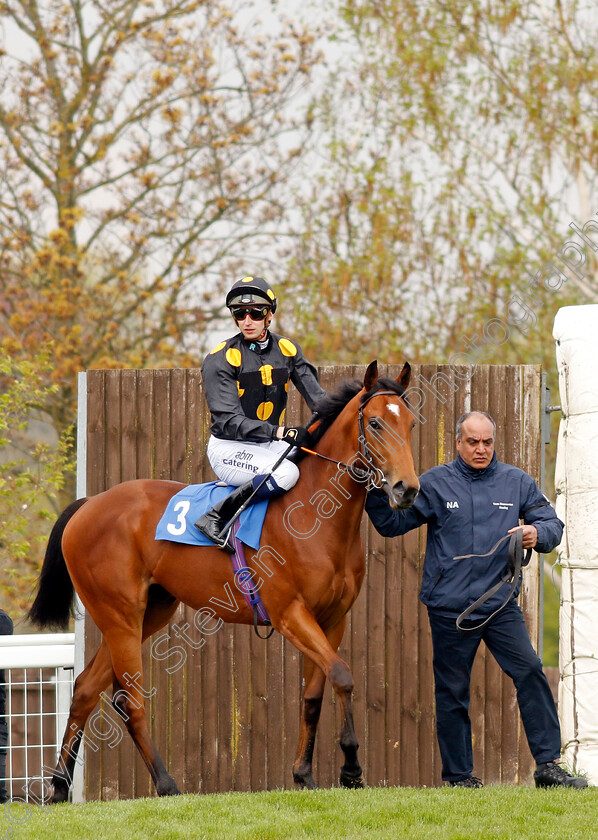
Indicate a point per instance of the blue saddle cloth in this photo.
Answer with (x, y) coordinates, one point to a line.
(184, 509)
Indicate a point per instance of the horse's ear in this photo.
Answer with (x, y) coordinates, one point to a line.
(371, 375)
(404, 376)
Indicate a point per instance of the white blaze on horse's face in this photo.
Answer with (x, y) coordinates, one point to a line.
(389, 445)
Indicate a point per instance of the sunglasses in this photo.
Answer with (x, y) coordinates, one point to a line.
(254, 313)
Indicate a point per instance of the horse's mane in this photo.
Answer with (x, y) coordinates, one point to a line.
(329, 407)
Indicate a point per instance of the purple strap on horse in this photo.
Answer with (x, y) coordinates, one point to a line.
(245, 583)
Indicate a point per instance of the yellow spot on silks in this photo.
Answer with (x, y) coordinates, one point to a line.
(247, 280)
(286, 387)
(287, 348)
(218, 347)
(240, 390)
(233, 356)
(264, 410)
(281, 418)
(266, 371)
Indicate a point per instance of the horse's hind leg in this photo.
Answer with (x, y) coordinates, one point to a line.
(301, 628)
(95, 678)
(88, 685)
(129, 700)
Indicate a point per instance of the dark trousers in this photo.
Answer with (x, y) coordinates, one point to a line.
(507, 639)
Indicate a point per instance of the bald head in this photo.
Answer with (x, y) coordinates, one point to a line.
(476, 433)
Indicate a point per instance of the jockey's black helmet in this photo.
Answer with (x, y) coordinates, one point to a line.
(251, 290)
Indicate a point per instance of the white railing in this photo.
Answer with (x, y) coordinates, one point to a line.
(39, 685)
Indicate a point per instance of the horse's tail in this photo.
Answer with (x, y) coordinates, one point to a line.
(54, 602)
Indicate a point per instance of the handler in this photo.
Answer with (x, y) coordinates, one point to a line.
(468, 505)
(246, 381)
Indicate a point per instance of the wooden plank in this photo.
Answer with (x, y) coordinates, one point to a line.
(178, 425)
(160, 704)
(241, 692)
(113, 428)
(430, 452)
(96, 432)
(145, 424)
(291, 709)
(497, 688)
(209, 703)
(510, 725)
(327, 754)
(225, 721)
(95, 483)
(480, 400)
(393, 649)
(129, 422)
(530, 598)
(276, 772)
(259, 713)
(197, 427)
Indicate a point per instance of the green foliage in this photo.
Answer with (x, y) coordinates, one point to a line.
(32, 473)
(500, 813)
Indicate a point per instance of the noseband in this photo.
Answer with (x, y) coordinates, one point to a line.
(371, 474)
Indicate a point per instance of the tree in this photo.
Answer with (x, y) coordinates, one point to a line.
(144, 146)
(464, 147)
(31, 473)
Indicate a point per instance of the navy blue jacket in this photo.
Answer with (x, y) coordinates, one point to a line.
(467, 511)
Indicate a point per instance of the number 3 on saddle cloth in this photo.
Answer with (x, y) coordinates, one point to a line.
(185, 508)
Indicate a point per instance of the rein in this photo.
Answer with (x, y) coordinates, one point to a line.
(374, 475)
(511, 576)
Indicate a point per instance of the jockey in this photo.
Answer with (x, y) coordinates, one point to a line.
(246, 381)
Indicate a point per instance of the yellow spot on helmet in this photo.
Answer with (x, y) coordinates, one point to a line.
(264, 410)
(270, 294)
(233, 356)
(217, 348)
(247, 280)
(287, 348)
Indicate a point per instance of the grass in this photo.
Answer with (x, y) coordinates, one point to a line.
(494, 813)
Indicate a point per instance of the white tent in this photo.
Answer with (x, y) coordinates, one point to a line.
(576, 482)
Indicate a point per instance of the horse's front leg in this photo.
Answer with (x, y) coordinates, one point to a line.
(301, 628)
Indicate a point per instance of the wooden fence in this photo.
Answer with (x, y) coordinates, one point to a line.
(229, 718)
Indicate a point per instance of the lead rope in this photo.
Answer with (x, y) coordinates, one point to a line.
(511, 576)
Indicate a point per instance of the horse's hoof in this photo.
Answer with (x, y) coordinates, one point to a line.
(305, 782)
(168, 788)
(352, 782)
(60, 795)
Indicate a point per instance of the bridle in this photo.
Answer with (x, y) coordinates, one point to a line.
(370, 475)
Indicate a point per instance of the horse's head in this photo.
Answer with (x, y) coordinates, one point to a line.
(385, 425)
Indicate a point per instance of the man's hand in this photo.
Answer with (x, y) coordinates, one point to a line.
(530, 535)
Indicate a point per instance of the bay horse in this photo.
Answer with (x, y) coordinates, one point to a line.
(104, 548)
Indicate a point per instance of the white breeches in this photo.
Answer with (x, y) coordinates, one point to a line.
(236, 461)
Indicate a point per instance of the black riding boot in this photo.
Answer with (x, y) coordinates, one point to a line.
(212, 522)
